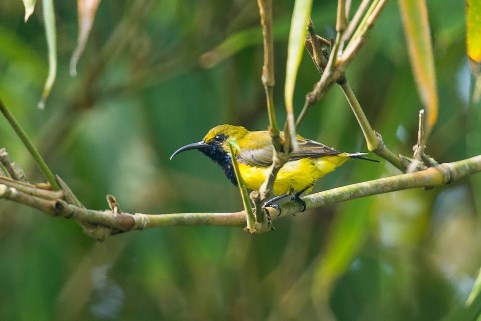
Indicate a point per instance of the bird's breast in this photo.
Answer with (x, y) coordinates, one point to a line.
(294, 176)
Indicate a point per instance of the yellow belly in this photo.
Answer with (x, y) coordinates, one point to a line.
(294, 176)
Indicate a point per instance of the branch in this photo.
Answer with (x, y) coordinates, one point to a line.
(280, 155)
(268, 79)
(331, 71)
(29, 146)
(111, 222)
(338, 61)
(373, 139)
(9, 168)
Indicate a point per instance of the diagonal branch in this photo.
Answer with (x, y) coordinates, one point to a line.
(29, 146)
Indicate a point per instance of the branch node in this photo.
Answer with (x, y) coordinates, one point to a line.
(447, 172)
(61, 209)
(13, 170)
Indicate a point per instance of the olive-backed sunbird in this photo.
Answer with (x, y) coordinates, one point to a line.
(307, 164)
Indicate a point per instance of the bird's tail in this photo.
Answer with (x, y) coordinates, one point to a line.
(361, 156)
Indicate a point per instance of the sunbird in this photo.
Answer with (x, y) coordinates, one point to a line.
(305, 166)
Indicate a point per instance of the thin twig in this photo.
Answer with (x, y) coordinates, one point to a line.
(336, 74)
(331, 74)
(361, 33)
(268, 80)
(31, 190)
(29, 146)
(421, 159)
(250, 218)
(373, 139)
(341, 21)
(420, 145)
(353, 24)
(7, 165)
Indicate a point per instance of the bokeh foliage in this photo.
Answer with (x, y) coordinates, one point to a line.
(158, 74)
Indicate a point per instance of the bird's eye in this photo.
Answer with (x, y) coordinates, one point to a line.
(219, 138)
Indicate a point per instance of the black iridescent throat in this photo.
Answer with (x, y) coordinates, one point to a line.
(218, 155)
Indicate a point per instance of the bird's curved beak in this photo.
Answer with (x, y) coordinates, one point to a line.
(198, 145)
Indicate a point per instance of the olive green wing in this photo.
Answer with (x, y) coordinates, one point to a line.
(310, 148)
(257, 150)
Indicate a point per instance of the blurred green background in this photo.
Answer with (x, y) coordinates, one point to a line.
(157, 75)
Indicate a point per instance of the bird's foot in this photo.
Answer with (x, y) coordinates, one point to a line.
(271, 203)
(296, 198)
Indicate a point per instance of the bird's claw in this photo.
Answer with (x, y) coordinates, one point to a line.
(296, 198)
(271, 203)
(274, 206)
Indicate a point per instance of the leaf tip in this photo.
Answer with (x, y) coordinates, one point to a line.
(28, 13)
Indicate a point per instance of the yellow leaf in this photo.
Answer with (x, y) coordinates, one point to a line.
(473, 43)
(416, 27)
(473, 30)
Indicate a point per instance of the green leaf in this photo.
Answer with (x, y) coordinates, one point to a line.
(295, 49)
(416, 27)
(49, 20)
(29, 7)
(86, 15)
(476, 289)
(473, 43)
(473, 31)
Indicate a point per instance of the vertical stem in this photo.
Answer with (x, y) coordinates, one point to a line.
(28, 144)
(250, 218)
(268, 80)
(353, 24)
(341, 16)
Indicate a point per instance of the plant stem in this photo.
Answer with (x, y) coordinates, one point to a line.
(353, 24)
(29, 146)
(268, 80)
(250, 218)
(373, 140)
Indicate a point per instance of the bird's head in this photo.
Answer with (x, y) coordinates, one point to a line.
(216, 142)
